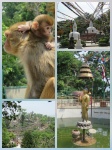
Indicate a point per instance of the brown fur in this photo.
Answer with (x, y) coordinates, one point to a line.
(39, 23)
(38, 62)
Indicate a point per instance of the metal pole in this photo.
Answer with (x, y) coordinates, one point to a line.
(103, 90)
(91, 98)
(83, 134)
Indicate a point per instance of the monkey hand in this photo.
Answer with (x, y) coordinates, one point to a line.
(23, 28)
(48, 45)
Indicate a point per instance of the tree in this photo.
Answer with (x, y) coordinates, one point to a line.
(28, 141)
(68, 68)
(6, 135)
(69, 65)
(9, 109)
(22, 118)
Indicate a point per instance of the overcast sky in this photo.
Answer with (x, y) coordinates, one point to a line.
(41, 107)
(86, 6)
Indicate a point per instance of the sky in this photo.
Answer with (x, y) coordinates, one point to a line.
(86, 6)
(41, 107)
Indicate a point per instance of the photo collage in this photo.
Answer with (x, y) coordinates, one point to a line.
(55, 74)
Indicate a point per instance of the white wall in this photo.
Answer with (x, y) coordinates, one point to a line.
(72, 113)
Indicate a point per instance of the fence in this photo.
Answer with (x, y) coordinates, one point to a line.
(73, 102)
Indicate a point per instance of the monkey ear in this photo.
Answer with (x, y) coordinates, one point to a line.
(35, 25)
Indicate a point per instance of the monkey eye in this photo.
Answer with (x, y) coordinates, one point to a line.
(48, 28)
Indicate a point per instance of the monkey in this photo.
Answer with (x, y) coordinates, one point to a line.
(41, 26)
(37, 61)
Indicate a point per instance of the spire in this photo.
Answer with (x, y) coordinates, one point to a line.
(74, 26)
(91, 24)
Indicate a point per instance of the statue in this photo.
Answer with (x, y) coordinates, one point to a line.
(85, 104)
(74, 33)
(74, 26)
(71, 43)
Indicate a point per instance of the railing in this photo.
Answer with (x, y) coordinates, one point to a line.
(73, 102)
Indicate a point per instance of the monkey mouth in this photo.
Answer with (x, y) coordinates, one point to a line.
(6, 46)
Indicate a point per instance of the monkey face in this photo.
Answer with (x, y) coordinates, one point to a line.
(11, 42)
(13, 39)
(46, 29)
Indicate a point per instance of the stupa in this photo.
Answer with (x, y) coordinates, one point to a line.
(91, 29)
(74, 33)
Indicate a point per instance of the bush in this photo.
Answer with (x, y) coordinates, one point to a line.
(104, 41)
(83, 43)
(64, 43)
(12, 145)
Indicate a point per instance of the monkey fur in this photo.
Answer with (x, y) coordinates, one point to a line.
(38, 62)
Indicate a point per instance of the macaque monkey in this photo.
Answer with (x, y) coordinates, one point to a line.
(37, 61)
(41, 26)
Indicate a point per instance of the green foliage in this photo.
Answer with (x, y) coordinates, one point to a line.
(104, 41)
(64, 42)
(35, 139)
(67, 70)
(28, 141)
(64, 136)
(6, 136)
(16, 12)
(69, 64)
(22, 119)
(11, 145)
(37, 130)
(83, 43)
(102, 23)
(42, 137)
(43, 8)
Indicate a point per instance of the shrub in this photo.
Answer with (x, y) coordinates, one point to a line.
(104, 41)
(64, 43)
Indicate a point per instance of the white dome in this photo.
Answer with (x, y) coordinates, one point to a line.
(91, 30)
(75, 35)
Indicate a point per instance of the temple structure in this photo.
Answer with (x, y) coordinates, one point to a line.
(74, 33)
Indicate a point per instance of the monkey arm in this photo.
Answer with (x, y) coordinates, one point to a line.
(25, 27)
(49, 45)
